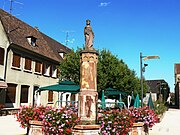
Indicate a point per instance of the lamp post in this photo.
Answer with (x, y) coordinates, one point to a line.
(142, 69)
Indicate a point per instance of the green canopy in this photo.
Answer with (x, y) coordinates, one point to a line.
(113, 92)
(137, 102)
(64, 86)
(150, 102)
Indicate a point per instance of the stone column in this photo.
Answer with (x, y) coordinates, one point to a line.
(88, 95)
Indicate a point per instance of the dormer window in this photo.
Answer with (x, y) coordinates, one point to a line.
(31, 40)
(62, 53)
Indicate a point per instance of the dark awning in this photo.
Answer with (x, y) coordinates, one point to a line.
(3, 85)
(64, 86)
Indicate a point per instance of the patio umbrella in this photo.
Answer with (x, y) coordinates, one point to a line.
(132, 99)
(150, 102)
(103, 104)
(64, 86)
(120, 101)
(137, 102)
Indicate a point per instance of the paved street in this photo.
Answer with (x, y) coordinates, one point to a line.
(9, 126)
(168, 126)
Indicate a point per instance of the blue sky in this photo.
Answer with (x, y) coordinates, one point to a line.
(125, 27)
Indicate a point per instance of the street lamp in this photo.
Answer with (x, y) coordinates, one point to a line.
(142, 69)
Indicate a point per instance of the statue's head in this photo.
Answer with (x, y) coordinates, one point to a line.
(88, 22)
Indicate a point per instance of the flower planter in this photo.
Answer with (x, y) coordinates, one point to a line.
(137, 129)
(35, 127)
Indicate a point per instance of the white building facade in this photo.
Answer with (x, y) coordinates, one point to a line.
(29, 60)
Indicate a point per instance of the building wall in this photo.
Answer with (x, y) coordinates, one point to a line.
(177, 84)
(21, 77)
(177, 95)
(4, 43)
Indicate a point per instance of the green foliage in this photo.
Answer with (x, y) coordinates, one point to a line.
(70, 67)
(111, 72)
(160, 107)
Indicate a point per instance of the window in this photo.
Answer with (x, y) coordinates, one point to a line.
(54, 72)
(46, 69)
(16, 60)
(38, 67)
(11, 93)
(28, 62)
(50, 96)
(62, 54)
(24, 94)
(1, 56)
(31, 40)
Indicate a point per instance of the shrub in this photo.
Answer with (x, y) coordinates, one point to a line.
(160, 108)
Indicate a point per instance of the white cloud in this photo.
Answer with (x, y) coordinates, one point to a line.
(104, 4)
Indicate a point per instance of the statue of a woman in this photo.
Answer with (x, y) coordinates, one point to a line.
(89, 36)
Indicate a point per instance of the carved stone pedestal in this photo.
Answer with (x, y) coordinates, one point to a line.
(87, 111)
(88, 95)
(86, 130)
(138, 129)
(35, 128)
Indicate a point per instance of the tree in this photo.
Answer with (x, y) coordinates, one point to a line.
(70, 67)
(111, 72)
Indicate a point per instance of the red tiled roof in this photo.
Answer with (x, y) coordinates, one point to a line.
(17, 31)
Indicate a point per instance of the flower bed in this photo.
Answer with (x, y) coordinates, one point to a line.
(117, 122)
(60, 121)
(146, 115)
(54, 121)
(27, 113)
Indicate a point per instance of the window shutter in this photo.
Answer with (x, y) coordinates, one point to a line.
(16, 60)
(28, 62)
(11, 93)
(50, 72)
(1, 56)
(24, 94)
(38, 67)
(43, 68)
(50, 96)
